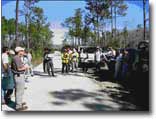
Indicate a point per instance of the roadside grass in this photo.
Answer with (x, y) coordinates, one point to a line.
(36, 61)
(37, 57)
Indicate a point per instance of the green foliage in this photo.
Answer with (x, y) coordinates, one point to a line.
(36, 30)
(120, 7)
(125, 32)
(37, 56)
(98, 9)
(97, 15)
(98, 12)
(115, 43)
(4, 26)
(75, 24)
(11, 26)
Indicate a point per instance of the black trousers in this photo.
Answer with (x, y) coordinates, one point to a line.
(84, 67)
(65, 67)
(8, 94)
(45, 65)
(98, 66)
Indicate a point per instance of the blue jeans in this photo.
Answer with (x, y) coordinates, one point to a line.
(124, 70)
(118, 66)
(3, 100)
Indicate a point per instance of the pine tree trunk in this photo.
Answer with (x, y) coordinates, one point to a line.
(112, 18)
(79, 42)
(144, 20)
(115, 20)
(98, 33)
(16, 24)
(27, 21)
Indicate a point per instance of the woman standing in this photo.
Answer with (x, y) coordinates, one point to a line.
(7, 80)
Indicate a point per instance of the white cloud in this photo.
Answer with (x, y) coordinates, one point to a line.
(59, 33)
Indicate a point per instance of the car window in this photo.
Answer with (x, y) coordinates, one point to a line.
(90, 50)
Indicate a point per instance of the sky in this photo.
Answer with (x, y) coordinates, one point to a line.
(57, 11)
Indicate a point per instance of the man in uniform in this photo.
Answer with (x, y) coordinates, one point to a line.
(18, 69)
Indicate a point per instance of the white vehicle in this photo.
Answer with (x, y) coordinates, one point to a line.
(57, 53)
(90, 51)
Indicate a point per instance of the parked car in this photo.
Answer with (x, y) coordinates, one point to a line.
(90, 61)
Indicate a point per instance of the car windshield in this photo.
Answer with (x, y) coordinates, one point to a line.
(90, 49)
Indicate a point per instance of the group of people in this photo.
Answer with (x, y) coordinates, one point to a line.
(120, 62)
(16, 67)
(70, 59)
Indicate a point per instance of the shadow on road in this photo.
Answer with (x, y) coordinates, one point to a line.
(137, 84)
(122, 97)
(95, 100)
(102, 75)
(98, 107)
(58, 71)
(58, 103)
(73, 94)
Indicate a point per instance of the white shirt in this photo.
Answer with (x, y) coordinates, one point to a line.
(83, 55)
(112, 53)
(98, 56)
(5, 58)
(24, 60)
(29, 57)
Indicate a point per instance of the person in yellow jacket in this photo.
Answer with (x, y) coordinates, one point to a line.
(65, 60)
(70, 52)
(75, 58)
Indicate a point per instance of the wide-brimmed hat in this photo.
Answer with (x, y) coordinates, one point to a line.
(97, 47)
(11, 52)
(17, 49)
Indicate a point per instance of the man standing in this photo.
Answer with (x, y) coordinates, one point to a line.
(98, 58)
(18, 69)
(65, 60)
(46, 51)
(70, 52)
(29, 55)
(83, 57)
(111, 52)
(74, 60)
